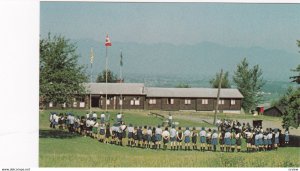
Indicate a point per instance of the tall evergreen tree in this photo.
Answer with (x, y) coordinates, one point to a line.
(60, 75)
(214, 82)
(249, 81)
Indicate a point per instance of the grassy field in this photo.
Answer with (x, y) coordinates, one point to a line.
(61, 149)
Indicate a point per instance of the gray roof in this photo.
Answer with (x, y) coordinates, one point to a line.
(192, 92)
(115, 88)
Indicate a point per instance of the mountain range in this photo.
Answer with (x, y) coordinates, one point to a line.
(184, 62)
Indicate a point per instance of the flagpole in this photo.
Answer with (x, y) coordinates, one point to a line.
(91, 77)
(121, 82)
(106, 79)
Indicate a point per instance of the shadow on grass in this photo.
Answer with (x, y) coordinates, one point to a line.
(57, 134)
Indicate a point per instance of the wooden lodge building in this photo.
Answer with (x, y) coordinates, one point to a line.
(137, 96)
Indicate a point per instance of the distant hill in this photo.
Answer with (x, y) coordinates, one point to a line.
(185, 62)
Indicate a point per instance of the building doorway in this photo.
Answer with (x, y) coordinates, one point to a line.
(95, 101)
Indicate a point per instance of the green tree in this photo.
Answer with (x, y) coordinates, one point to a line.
(60, 75)
(214, 82)
(183, 85)
(296, 78)
(249, 81)
(111, 77)
(291, 103)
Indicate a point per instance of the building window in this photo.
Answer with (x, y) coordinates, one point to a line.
(204, 101)
(187, 101)
(107, 101)
(121, 100)
(221, 102)
(50, 104)
(74, 104)
(81, 104)
(64, 105)
(135, 101)
(232, 102)
(152, 101)
(170, 101)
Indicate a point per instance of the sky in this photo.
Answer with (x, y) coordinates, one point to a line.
(273, 26)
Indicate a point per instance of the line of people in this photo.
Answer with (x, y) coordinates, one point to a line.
(229, 138)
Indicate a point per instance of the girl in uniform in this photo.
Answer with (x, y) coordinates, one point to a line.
(95, 129)
(173, 133)
(227, 140)
(179, 138)
(123, 128)
(238, 138)
(286, 137)
(194, 138)
(233, 140)
(265, 140)
(208, 139)
(135, 138)
(214, 140)
(202, 139)
(248, 135)
(107, 133)
(166, 137)
(253, 140)
(130, 135)
(270, 139)
(158, 136)
(187, 139)
(149, 134)
(139, 136)
(260, 140)
(256, 142)
(145, 136)
(102, 132)
(276, 141)
(221, 140)
(153, 138)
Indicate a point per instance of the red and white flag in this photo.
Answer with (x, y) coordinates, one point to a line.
(107, 41)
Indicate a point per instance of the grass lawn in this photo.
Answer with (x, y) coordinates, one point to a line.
(61, 149)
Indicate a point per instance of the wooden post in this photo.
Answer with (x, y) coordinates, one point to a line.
(218, 96)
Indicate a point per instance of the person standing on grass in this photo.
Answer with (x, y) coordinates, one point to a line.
(101, 132)
(61, 122)
(130, 135)
(202, 139)
(119, 117)
(107, 133)
(149, 134)
(102, 118)
(270, 139)
(153, 138)
(92, 123)
(135, 137)
(82, 125)
(87, 124)
(51, 119)
(214, 140)
(166, 137)
(194, 138)
(260, 140)
(187, 138)
(265, 140)
(139, 136)
(208, 139)
(158, 136)
(233, 140)
(72, 122)
(94, 115)
(123, 129)
(253, 140)
(145, 136)
(87, 115)
(276, 139)
(238, 138)
(286, 137)
(248, 136)
(221, 140)
(95, 128)
(173, 134)
(227, 139)
(179, 138)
